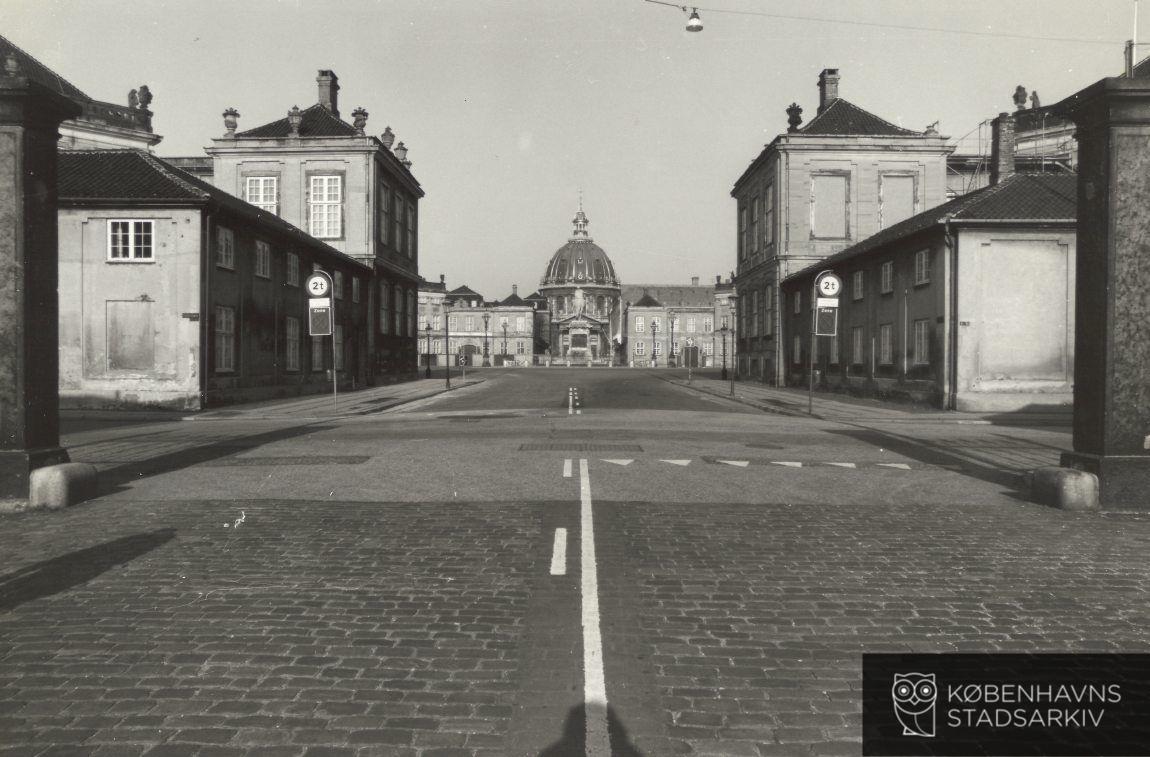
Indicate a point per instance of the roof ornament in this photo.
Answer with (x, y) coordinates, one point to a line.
(359, 116)
(295, 118)
(1019, 97)
(931, 130)
(11, 64)
(230, 116)
(387, 138)
(580, 222)
(794, 117)
(145, 96)
(1034, 102)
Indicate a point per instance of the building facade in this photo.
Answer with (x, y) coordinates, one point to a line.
(463, 327)
(174, 294)
(813, 191)
(678, 326)
(968, 306)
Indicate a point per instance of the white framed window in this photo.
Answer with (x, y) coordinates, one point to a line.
(656, 324)
(796, 349)
(708, 349)
(897, 198)
(656, 348)
(469, 323)
(922, 267)
(384, 213)
(830, 206)
(886, 277)
(337, 348)
(292, 269)
(922, 341)
(857, 345)
(130, 241)
(520, 347)
(225, 339)
(886, 344)
(437, 322)
(708, 325)
(436, 346)
(317, 353)
(640, 324)
(858, 280)
(691, 325)
(261, 191)
(675, 347)
(291, 342)
(355, 289)
(640, 348)
(726, 321)
(797, 300)
(384, 307)
(225, 248)
(263, 259)
(519, 323)
(325, 207)
(452, 323)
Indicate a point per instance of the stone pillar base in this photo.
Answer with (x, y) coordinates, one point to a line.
(1123, 480)
(16, 466)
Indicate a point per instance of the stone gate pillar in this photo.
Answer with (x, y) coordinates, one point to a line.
(30, 117)
(1112, 336)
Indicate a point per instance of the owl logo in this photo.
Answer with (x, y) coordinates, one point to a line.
(914, 697)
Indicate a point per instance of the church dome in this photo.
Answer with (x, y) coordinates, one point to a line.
(580, 262)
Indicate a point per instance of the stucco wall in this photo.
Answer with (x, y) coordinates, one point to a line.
(129, 333)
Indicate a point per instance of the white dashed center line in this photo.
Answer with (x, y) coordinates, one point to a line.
(567, 468)
(598, 740)
(559, 553)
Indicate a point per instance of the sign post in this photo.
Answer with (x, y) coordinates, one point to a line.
(690, 356)
(321, 321)
(824, 322)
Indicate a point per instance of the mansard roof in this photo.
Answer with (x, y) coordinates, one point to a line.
(844, 118)
(317, 121)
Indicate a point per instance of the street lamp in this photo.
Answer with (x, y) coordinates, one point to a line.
(671, 346)
(724, 331)
(694, 23)
(486, 358)
(427, 357)
(505, 342)
(734, 341)
(447, 346)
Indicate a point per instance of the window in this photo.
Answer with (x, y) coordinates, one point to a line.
(437, 347)
(397, 232)
(833, 357)
(337, 284)
(769, 307)
(410, 229)
(742, 232)
(708, 349)
(261, 192)
(640, 348)
(411, 326)
(896, 198)
(708, 325)
(691, 325)
(640, 324)
(656, 348)
(519, 347)
(129, 240)
(325, 206)
(291, 337)
(755, 313)
(753, 231)
(726, 322)
(656, 324)
(469, 323)
(519, 323)
(857, 282)
(437, 322)
(225, 339)
(225, 248)
(384, 213)
(829, 206)
(886, 277)
(922, 267)
(922, 342)
(886, 344)
(292, 269)
(857, 345)
(397, 303)
(337, 348)
(384, 308)
(769, 216)
(263, 259)
(797, 349)
(317, 353)
(452, 323)
(797, 300)
(503, 321)
(355, 289)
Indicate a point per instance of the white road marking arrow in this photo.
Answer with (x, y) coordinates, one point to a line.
(736, 463)
(676, 462)
(900, 466)
(789, 465)
(618, 462)
(843, 465)
(567, 468)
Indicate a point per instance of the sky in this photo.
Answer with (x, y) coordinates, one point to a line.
(512, 108)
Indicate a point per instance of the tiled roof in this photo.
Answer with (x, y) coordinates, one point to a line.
(670, 295)
(135, 177)
(41, 74)
(464, 291)
(647, 301)
(514, 301)
(842, 118)
(317, 121)
(1036, 198)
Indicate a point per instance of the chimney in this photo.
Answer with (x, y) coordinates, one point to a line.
(442, 279)
(328, 90)
(1001, 148)
(828, 87)
(694, 281)
(515, 290)
(718, 278)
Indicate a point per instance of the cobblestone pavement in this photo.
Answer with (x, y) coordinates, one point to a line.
(381, 586)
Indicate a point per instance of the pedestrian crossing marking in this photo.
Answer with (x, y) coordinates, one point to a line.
(737, 463)
(900, 466)
(567, 468)
(843, 465)
(618, 462)
(787, 464)
(677, 462)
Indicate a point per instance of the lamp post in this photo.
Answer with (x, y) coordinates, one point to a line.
(671, 345)
(427, 357)
(724, 331)
(505, 343)
(486, 357)
(447, 347)
(734, 341)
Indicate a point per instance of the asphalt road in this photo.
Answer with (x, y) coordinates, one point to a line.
(483, 572)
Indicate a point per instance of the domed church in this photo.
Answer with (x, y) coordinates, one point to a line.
(582, 294)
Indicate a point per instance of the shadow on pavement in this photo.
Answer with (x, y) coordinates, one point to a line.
(932, 454)
(43, 579)
(116, 479)
(573, 741)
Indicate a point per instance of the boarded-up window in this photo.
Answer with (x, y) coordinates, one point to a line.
(896, 199)
(829, 194)
(131, 336)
